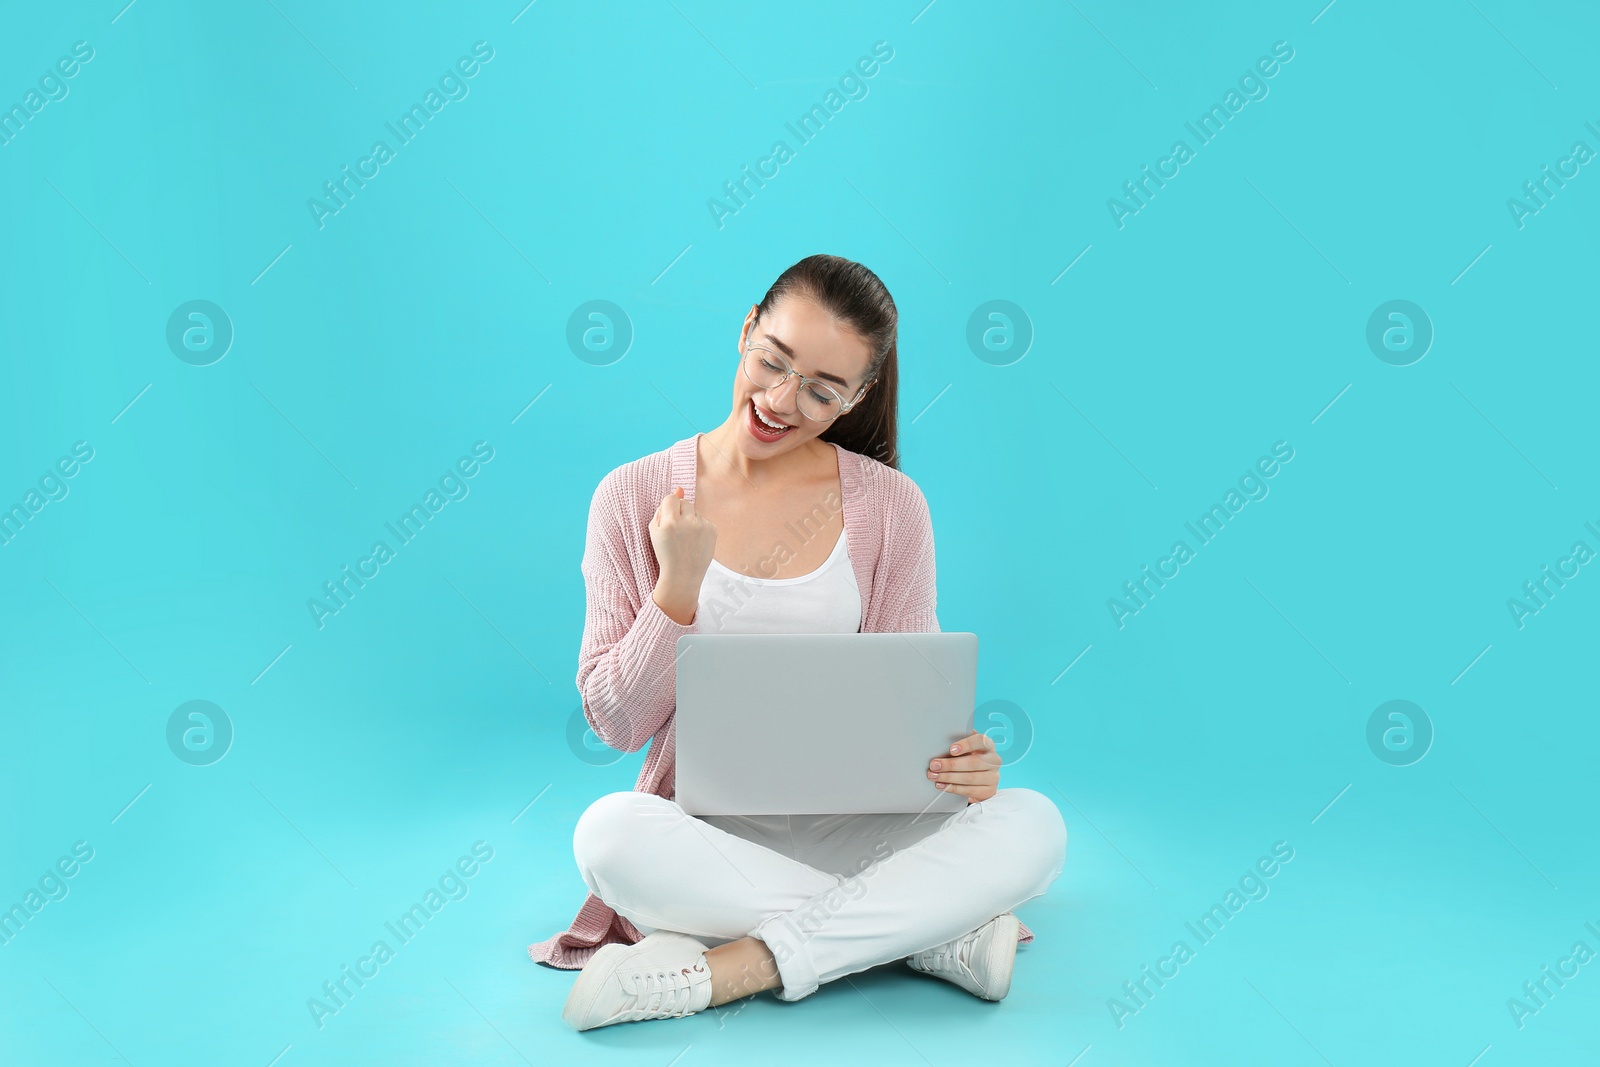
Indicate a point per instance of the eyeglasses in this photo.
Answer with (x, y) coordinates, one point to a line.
(816, 399)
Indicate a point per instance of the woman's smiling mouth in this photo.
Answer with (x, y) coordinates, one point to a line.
(764, 428)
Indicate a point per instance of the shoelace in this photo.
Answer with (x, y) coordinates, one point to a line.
(662, 994)
(951, 956)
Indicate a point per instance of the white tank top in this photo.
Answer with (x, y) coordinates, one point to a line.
(826, 601)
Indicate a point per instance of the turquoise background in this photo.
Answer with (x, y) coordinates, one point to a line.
(431, 713)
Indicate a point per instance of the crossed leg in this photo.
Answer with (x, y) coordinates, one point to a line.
(878, 888)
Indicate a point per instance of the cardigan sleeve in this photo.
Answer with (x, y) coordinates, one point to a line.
(914, 538)
(627, 659)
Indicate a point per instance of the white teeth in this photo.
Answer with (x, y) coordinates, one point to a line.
(767, 421)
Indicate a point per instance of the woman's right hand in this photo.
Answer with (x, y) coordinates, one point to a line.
(684, 543)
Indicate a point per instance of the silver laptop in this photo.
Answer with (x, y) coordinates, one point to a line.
(791, 724)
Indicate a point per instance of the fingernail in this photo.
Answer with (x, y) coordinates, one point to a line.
(954, 749)
(935, 764)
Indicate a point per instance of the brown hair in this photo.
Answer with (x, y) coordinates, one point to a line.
(853, 293)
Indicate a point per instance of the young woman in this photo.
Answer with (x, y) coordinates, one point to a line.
(790, 517)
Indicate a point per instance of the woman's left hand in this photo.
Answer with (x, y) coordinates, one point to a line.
(972, 768)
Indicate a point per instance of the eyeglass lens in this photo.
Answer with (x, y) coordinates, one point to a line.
(816, 400)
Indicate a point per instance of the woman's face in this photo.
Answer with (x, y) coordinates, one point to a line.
(815, 344)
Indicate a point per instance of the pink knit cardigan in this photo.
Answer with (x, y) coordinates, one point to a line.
(627, 659)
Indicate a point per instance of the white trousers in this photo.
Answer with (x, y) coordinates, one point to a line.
(830, 895)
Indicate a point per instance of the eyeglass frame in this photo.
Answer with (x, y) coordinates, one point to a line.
(792, 373)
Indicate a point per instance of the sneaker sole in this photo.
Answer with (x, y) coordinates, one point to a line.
(1002, 953)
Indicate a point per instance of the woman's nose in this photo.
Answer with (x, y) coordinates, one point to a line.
(781, 397)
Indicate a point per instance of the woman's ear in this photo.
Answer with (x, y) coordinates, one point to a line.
(749, 321)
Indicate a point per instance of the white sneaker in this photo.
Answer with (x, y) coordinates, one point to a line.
(979, 961)
(664, 976)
